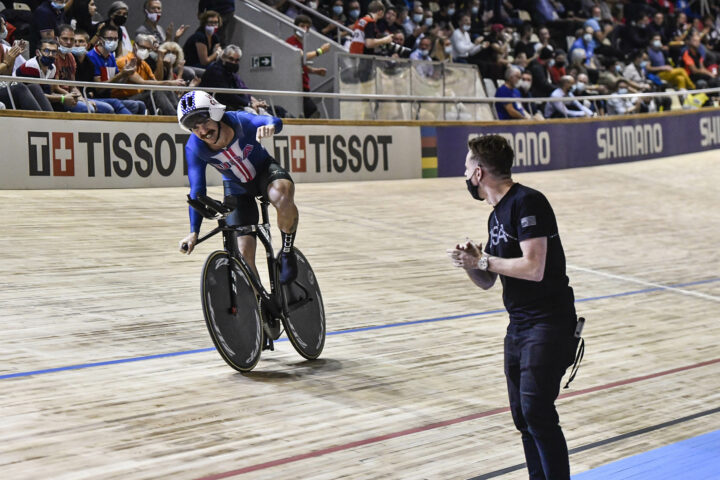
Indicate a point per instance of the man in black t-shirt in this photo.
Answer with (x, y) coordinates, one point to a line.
(524, 249)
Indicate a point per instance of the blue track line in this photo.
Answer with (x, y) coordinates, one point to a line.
(338, 332)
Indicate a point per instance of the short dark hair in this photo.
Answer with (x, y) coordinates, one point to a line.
(303, 20)
(61, 28)
(204, 16)
(494, 153)
(107, 28)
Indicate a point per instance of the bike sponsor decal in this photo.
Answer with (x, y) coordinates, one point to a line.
(91, 154)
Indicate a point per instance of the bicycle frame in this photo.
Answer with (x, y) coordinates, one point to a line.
(272, 300)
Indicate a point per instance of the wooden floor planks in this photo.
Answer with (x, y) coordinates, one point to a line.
(93, 276)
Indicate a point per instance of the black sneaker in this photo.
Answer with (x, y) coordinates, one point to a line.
(288, 267)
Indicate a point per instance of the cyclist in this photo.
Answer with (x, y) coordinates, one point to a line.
(230, 142)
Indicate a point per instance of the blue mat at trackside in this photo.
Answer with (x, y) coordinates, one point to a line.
(692, 459)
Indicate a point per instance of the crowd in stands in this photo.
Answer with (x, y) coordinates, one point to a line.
(530, 49)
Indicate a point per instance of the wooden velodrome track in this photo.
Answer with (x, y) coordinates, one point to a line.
(107, 370)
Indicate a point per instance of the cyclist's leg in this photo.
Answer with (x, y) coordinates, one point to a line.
(245, 213)
(279, 189)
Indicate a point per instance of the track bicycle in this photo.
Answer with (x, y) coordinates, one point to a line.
(242, 316)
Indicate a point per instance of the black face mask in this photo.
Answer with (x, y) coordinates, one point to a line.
(231, 67)
(473, 189)
(119, 20)
(559, 64)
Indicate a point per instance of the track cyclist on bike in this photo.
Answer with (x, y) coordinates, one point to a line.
(230, 142)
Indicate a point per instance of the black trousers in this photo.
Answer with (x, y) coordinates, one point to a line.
(536, 357)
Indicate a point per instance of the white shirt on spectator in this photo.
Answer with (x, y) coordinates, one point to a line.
(462, 46)
(552, 107)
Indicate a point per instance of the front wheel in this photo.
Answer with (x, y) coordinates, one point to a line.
(232, 313)
(305, 322)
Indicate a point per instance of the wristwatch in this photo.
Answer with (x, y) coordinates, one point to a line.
(482, 263)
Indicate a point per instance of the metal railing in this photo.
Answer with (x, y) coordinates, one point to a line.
(370, 99)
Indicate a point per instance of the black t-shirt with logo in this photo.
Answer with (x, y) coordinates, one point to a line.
(524, 213)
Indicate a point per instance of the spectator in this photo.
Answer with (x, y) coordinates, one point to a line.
(42, 66)
(677, 77)
(444, 17)
(463, 47)
(71, 100)
(623, 106)
(577, 60)
(387, 25)
(153, 12)
(635, 71)
(524, 44)
(539, 68)
(26, 96)
(173, 60)
(510, 110)
(525, 88)
(165, 102)
(336, 13)
(492, 59)
(561, 109)
(636, 35)
(46, 17)
(226, 11)
(302, 24)
(694, 62)
(658, 27)
(100, 65)
(82, 12)
(117, 17)
(422, 54)
(587, 43)
(364, 30)
(520, 61)
(354, 13)
(414, 21)
(557, 70)
(595, 19)
(203, 47)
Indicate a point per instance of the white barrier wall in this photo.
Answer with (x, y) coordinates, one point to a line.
(61, 153)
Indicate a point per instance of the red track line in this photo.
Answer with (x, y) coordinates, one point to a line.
(410, 431)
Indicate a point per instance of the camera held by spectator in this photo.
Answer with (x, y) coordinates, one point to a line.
(393, 48)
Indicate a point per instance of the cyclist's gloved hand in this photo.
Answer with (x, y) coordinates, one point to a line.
(264, 131)
(288, 267)
(190, 241)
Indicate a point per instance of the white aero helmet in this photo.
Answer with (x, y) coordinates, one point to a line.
(197, 106)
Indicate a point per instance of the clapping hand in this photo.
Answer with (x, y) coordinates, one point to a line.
(466, 254)
(265, 131)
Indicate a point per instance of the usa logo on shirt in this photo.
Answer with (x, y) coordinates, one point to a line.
(237, 160)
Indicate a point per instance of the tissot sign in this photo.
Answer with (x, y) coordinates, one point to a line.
(45, 154)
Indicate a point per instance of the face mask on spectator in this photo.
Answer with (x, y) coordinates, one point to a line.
(231, 67)
(47, 61)
(300, 33)
(448, 49)
(657, 44)
(560, 63)
(354, 13)
(622, 91)
(475, 10)
(424, 53)
(466, 28)
(337, 9)
(110, 46)
(3, 35)
(618, 68)
(312, 5)
(64, 50)
(57, 5)
(643, 64)
(153, 17)
(580, 87)
(587, 37)
(451, 11)
(417, 17)
(170, 58)
(428, 21)
(211, 30)
(143, 53)
(551, 62)
(120, 20)
(524, 85)
(78, 50)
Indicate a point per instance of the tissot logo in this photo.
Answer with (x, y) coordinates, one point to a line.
(51, 154)
(333, 153)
